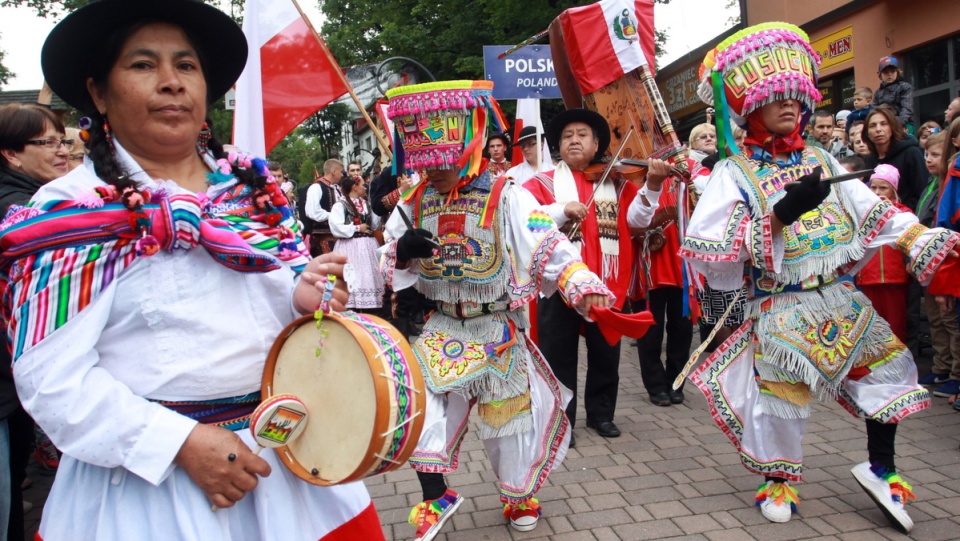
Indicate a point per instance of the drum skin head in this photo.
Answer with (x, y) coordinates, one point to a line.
(344, 395)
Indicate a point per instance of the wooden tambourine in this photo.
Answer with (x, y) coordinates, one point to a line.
(364, 394)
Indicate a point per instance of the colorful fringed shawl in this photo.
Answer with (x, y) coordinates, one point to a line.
(60, 255)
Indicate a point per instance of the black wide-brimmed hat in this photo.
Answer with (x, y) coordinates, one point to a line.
(528, 132)
(71, 48)
(588, 117)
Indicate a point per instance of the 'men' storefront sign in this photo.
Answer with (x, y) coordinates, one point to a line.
(835, 48)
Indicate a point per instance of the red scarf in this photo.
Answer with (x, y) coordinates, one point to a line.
(759, 135)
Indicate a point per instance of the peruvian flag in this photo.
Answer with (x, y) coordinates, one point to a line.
(608, 39)
(290, 75)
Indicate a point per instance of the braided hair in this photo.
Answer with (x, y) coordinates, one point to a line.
(100, 145)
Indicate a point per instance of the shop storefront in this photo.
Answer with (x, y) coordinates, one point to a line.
(851, 36)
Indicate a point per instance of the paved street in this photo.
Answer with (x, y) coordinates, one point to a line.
(673, 475)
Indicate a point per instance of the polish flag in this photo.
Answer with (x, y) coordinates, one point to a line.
(608, 39)
(528, 114)
(290, 75)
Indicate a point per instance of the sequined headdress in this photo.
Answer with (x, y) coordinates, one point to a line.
(759, 65)
(443, 125)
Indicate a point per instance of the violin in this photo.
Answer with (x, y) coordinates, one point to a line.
(633, 170)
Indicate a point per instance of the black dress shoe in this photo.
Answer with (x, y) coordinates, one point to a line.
(573, 439)
(605, 428)
(676, 397)
(660, 399)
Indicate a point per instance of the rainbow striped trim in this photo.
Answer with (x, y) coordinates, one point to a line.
(232, 413)
(59, 256)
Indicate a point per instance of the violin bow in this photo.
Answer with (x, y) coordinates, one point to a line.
(616, 156)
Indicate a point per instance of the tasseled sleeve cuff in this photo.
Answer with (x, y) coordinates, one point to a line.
(926, 249)
(576, 281)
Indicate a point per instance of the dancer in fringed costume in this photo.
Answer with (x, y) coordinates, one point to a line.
(479, 248)
(808, 335)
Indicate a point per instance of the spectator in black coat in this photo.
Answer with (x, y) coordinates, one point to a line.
(887, 143)
(33, 151)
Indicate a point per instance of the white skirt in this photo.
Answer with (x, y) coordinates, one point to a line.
(366, 289)
(111, 504)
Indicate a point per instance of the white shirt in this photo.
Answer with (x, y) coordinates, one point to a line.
(524, 172)
(314, 210)
(174, 326)
(338, 218)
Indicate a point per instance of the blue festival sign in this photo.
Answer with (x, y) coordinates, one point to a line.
(524, 73)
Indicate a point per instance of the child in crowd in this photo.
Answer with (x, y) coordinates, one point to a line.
(855, 140)
(842, 119)
(894, 91)
(884, 279)
(944, 324)
(925, 130)
(862, 105)
(852, 163)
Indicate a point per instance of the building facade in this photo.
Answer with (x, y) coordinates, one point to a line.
(851, 36)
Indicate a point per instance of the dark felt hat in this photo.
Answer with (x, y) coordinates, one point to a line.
(588, 117)
(528, 132)
(72, 46)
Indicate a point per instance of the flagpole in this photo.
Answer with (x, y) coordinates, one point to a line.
(384, 145)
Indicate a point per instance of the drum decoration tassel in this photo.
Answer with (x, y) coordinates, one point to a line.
(328, 288)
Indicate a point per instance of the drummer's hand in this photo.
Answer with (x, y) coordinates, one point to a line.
(309, 291)
(204, 457)
(575, 210)
(657, 171)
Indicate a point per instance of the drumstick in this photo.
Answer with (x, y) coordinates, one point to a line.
(277, 421)
(836, 179)
(406, 220)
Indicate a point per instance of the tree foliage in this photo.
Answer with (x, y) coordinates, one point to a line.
(5, 74)
(446, 36)
(299, 153)
(58, 8)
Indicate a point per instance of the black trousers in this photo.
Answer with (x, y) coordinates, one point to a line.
(666, 305)
(559, 333)
(21, 447)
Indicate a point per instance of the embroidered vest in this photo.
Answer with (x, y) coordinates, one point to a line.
(471, 266)
(820, 241)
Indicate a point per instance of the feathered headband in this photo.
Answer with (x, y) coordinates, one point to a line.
(443, 125)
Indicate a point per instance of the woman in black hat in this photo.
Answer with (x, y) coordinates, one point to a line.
(142, 315)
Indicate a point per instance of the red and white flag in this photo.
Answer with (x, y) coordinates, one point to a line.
(528, 114)
(290, 75)
(608, 39)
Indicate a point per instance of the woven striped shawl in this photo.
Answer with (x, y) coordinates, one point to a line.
(57, 257)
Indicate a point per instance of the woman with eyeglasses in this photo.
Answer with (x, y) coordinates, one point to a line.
(703, 141)
(31, 155)
(33, 151)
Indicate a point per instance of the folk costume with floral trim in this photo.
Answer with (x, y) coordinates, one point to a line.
(473, 349)
(497, 250)
(808, 334)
